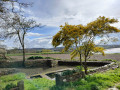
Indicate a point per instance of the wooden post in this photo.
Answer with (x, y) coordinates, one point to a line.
(20, 85)
(58, 80)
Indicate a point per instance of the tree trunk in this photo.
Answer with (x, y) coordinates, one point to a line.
(23, 56)
(80, 59)
(85, 66)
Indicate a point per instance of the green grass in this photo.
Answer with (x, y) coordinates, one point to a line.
(20, 54)
(98, 81)
(7, 79)
(14, 77)
(38, 84)
(30, 84)
(118, 86)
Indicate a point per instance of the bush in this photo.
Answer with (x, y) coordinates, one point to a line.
(67, 72)
(9, 86)
(118, 86)
(94, 86)
(35, 57)
(79, 68)
(48, 58)
(39, 57)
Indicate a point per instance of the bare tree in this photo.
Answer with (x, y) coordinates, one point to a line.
(13, 22)
(19, 26)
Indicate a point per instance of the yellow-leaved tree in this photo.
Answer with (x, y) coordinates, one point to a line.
(69, 35)
(83, 37)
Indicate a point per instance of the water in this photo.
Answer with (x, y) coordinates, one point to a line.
(112, 50)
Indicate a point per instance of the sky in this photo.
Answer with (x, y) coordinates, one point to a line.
(53, 13)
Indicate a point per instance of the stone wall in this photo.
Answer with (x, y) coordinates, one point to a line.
(41, 63)
(10, 64)
(46, 63)
(52, 63)
(60, 80)
(35, 63)
(28, 63)
(89, 63)
(112, 65)
(6, 72)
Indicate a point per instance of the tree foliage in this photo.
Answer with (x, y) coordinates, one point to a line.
(83, 37)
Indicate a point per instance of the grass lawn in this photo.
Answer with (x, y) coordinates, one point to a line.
(98, 81)
(30, 84)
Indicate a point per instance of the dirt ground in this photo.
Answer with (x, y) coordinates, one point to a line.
(67, 56)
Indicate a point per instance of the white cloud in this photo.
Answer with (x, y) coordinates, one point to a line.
(33, 34)
(57, 12)
(39, 43)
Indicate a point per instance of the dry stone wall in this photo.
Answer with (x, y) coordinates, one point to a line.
(60, 80)
(6, 72)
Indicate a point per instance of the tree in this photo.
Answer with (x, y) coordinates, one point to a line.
(70, 35)
(98, 28)
(14, 22)
(7, 9)
(20, 26)
(84, 37)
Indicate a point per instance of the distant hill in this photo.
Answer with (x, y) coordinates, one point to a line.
(60, 48)
(109, 46)
(57, 49)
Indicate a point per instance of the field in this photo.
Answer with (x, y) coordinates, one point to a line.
(67, 56)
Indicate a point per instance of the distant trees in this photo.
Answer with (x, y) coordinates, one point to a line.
(83, 37)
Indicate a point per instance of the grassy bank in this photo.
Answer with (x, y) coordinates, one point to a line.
(30, 84)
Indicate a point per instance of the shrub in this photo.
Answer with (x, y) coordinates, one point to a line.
(9, 86)
(39, 57)
(94, 86)
(67, 72)
(35, 57)
(118, 86)
(48, 58)
(79, 68)
(32, 57)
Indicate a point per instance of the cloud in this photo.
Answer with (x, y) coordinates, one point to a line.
(54, 13)
(29, 34)
(39, 43)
